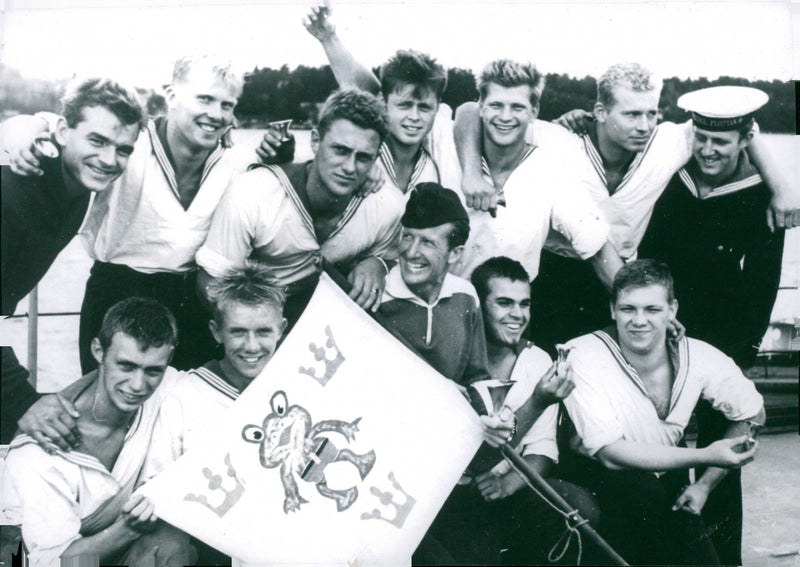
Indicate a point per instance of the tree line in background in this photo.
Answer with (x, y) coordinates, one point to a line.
(276, 94)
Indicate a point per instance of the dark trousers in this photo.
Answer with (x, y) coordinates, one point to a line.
(723, 510)
(517, 530)
(111, 283)
(17, 394)
(568, 300)
(637, 516)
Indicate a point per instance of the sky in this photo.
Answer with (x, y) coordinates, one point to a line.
(137, 40)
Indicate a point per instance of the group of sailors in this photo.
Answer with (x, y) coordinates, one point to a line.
(484, 243)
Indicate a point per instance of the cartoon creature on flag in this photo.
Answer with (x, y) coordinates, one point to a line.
(288, 439)
(343, 413)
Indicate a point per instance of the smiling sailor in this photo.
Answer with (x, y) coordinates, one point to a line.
(709, 227)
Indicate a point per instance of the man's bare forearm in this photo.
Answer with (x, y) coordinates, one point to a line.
(467, 134)
(606, 263)
(714, 475)
(346, 68)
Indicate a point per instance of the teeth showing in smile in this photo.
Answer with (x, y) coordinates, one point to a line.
(130, 397)
(250, 359)
(508, 128)
(415, 266)
(99, 171)
(207, 128)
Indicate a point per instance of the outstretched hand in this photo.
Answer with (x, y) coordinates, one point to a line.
(555, 385)
(318, 22)
(731, 453)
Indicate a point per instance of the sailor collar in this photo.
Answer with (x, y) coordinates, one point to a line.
(597, 160)
(677, 351)
(743, 177)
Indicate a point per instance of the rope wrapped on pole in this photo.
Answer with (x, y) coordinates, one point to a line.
(575, 522)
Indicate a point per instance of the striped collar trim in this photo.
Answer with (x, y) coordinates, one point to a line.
(679, 357)
(216, 382)
(487, 172)
(597, 160)
(166, 167)
(387, 159)
(726, 189)
(290, 191)
(74, 457)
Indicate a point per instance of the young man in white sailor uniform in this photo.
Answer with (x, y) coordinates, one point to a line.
(419, 146)
(80, 503)
(293, 218)
(635, 391)
(709, 226)
(248, 322)
(491, 515)
(537, 194)
(625, 160)
(144, 231)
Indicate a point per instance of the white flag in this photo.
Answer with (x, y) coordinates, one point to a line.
(341, 451)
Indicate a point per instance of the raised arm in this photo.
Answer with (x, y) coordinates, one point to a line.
(478, 194)
(348, 71)
(785, 198)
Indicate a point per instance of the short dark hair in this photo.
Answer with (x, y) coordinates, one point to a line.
(250, 284)
(146, 320)
(414, 68)
(121, 101)
(508, 73)
(359, 107)
(642, 273)
(497, 267)
(459, 234)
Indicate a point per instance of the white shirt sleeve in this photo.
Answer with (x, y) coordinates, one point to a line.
(387, 241)
(234, 228)
(576, 216)
(41, 492)
(443, 149)
(540, 439)
(166, 445)
(728, 390)
(588, 406)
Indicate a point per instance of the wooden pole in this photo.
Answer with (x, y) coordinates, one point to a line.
(33, 334)
(547, 492)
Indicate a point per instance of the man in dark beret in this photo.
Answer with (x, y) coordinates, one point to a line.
(437, 313)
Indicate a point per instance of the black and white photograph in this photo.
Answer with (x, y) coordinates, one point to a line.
(384, 282)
